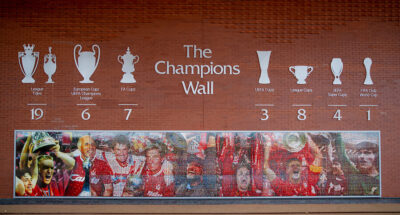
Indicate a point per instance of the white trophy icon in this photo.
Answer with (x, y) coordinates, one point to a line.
(28, 61)
(301, 73)
(128, 62)
(337, 68)
(367, 64)
(49, 65)
(86, 63)
(263, 59)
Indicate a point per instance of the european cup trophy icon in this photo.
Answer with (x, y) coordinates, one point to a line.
(337, 68)
(86, 63)
(128, 62)
(49, 65)
(28, 61)
(263, 59)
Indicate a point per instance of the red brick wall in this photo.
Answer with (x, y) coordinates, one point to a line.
(297, 33)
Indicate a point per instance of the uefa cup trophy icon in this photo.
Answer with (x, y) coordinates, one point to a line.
(49, 65)
(87, 63)
(367, 64)
(128, 62)
(301, 73)
(263, 59)
(337, 68)
(28, 61)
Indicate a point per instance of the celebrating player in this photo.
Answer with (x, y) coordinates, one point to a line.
(158, 174)
(79, 179)
(120, 165)
(299, 180)
(193, 186)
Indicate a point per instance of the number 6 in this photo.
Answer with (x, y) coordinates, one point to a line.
(85, 114)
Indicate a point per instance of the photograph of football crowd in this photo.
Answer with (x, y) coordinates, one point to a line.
(196, 164)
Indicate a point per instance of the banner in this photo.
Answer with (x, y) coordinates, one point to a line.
(211, 164)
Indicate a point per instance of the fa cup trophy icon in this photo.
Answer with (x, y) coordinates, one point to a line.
(28, 61)
(337, 67)
(263, 59)
(49, 65)
(367, 64)
(301, 73)
(86, 63)
(128, 62)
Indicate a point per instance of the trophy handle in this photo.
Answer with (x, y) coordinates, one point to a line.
(309, 67)
(98, 57)
(290, 69)
(137, 59)
(119, 59)
(36, 54)
(80, 49)
(20, 55)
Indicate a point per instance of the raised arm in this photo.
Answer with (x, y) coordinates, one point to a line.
(267, 170)
(67, 159)
(316, 152)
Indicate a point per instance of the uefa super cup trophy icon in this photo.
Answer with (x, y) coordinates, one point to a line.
(87, 63)
(337, 67)
(263, 59)
(128, 62)
(49, 65)
(28, 61)
(301, 73)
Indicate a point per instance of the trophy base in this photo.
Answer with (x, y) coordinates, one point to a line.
(337, 82)
(128, 79)
(28, 80)
(263, 80)
(86, 82)
(301, 82)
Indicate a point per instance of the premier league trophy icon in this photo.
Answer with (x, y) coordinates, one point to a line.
(87, 63)
(367, 64)
(337, 67)
(49, 65)
(28, 61)
(301, 73)
(128, 62)
(263, 59)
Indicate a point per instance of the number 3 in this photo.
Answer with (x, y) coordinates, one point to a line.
(265, 114)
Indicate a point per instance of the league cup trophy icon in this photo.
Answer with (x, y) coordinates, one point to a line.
(86, 63)
(49, 65)
(263, 59)
(367, 64)
(128, 62)
(28, 61)
(301, 73)
(337, 67)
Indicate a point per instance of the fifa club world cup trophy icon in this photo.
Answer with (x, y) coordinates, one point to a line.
(28, 61)
(86, 63)
(263, 59)
(49, 65)
(367, 64)
(128, 62)
(301, 73)
(337, 67)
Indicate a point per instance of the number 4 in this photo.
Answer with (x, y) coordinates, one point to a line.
(337, 115)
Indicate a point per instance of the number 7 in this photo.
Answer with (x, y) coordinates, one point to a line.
(129, 113)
